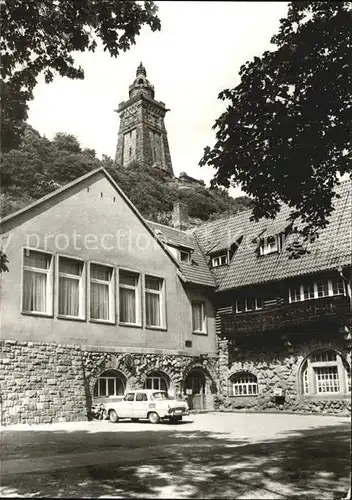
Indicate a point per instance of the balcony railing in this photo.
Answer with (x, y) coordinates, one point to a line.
(298, 313)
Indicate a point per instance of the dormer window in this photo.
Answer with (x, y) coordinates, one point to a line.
(185, 256)
(220, 260)
(270, 244)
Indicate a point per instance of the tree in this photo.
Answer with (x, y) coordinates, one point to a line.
(40, 166)
(41, 36)
(67, 142)
(285, 136)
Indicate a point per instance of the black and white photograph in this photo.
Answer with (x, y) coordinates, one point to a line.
(175, 249)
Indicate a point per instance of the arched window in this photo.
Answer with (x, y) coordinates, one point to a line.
(243, 384)
(325, 373)
(110, 383)
(156, 380)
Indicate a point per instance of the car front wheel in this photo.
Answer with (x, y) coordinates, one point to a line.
(113, 416)
(154, 418)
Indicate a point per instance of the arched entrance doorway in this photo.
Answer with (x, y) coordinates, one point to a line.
(157, 380)
(110, 384)
(197, 390)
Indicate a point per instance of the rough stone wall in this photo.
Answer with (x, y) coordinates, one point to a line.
(44, 383)
(41, 383)
(275, 367)
(135, 368)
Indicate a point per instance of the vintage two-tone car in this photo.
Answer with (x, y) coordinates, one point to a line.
(148, 404)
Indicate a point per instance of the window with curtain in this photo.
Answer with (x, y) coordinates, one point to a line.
(101, 292)
(129, 297)
(324, 373)
(198, 317)
(37, 282)
(71, 288)
(154, 301)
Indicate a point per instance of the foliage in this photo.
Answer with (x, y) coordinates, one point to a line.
(144, 188)
(40, 37)
(10, 203)
(154, 195)
(3, 262)
(285, 136)
(40, 166)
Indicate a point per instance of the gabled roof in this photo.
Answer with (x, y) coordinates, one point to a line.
(52, 195)
(332, 249)
(197, 270)
(172, 236)
(12, 220)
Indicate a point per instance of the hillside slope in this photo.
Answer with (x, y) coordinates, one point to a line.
(40, 166)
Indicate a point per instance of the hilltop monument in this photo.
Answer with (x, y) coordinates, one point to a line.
(142, 136)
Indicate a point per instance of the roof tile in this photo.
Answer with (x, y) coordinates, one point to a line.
(333, 248)
(197, 271)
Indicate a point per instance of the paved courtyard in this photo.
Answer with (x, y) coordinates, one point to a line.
(224, 455)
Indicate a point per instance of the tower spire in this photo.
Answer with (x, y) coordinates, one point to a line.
(141, 70)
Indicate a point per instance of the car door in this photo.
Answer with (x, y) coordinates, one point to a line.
(140, 407)
(125, 407)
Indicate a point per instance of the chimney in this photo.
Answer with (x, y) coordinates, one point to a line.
(180, 215)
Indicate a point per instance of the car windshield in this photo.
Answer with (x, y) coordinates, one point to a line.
(161, 395)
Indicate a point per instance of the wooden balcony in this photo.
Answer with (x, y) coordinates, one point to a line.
(284, 317)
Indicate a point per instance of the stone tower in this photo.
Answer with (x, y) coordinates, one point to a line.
(142, 134)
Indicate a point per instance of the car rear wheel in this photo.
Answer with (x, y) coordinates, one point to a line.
(113, 416)
(154, 418)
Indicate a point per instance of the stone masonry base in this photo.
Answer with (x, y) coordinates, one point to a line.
(278, 367)
(44, 383)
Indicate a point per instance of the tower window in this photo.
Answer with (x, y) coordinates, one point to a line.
(140, 81)
(130, 152)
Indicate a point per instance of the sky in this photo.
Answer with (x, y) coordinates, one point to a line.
(197, 54)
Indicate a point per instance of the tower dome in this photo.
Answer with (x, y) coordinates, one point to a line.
(141, 85)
